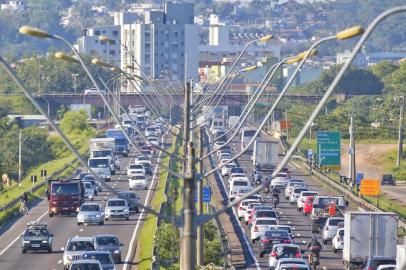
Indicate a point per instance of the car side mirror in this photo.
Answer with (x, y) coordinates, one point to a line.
(121, 244)
(347, 203)
(51, 235)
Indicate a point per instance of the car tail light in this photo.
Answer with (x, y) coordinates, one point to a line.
(273, 254)
(298, 255)
(265, 240)
(240, 208)
(286, 241)
(370, 268)
(255, 229)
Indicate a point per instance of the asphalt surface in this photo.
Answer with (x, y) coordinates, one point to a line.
(63, 227)
(288, 215)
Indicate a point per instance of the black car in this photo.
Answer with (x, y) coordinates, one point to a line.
(133, 197)
(375, 261)
(147, 167)
(271, 237)
(36, 237)
(388, 179)
(83, 174)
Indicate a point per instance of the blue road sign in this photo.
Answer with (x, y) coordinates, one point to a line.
(206, 194)
(360, 176)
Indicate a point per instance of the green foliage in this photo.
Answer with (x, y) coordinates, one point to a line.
(75, 121)
(383, 69)
(212, 252)
(167, 244)
(210, 231)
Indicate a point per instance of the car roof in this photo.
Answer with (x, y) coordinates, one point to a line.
(265, 218)
(286, 245)
(97, 252)
(90, 203)
(81, 238)
(116, 199)
(85, 261)
(105, 235)
(291, 259)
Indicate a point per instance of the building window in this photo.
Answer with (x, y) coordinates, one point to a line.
(115, 33)
(175, 34)
(111, 42)
(96, 41)
(112, 52)
(103, 42)
(147, 34)
(104, 31)
(97, 33)
(147, 46)
(147, 58)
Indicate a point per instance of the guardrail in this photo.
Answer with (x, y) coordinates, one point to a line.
(36, 187)
(363, 204)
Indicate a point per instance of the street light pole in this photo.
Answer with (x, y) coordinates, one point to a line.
(20, 142)
(75, 84)
(400, 140)
(352, 172)
(200, 237)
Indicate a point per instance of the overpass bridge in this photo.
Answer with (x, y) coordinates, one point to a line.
(229, 99)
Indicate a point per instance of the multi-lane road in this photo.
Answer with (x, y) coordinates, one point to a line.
(63, 227)
(288, 215)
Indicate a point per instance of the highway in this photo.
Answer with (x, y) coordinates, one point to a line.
(63, 227)
(288, 215)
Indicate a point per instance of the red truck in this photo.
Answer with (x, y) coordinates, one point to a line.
(64, 197)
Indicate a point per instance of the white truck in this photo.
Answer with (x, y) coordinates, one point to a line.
(265, 151)
(136, 109)
(401, 256)
(368, 234)
(104, 147)
(101, 166)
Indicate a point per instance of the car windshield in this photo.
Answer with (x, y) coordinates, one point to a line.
(65, 189)
(271, 214)
(277, 233)
(136, 166)
(304, 194)
(286, 251)
(237, 170)
(142, 158)
(85, 266)
(36, 233)
(88, 178)
(80, 246)
(249, 133)
(90, 207)
(240, 183)
(138, 177)
(334, 222)
(103, 258)
(130, 195)
(106, 241)
(266, 222)
(326, 201)
(230, 165)
(116, 203)
(88, 185)
(101, 153)
(98, 163)
(283, 228)
(294, 267)
(281, 175)
(299, 190)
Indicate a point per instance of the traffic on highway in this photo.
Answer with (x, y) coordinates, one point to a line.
(80, 225)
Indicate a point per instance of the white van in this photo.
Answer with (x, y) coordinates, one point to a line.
(236, 184)
(217, 125)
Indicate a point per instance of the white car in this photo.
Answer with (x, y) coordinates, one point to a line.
(338, 240)
(330, 228)
(138, 180)
(291, 185)
(227, 168)
(294, 196)
(243, 191)
(260, 225)
(153, 140)
(224, 156)
(387, 267)
(89, 190)
(242, 206)
(142, 158)
(90, 213)
(280, 180)
(302, 198)
(292, 263)
(151, 131)
(236, 184)
(116, 208)
(218, 145)
(135, 168)
(236, 175)
(249, 209)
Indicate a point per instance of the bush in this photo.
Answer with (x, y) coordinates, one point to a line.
(212, 252)
(167, 242)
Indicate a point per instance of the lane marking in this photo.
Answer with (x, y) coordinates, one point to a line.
(303, 241)
(18, 237)
(62, 248)
(60, 261)
(299, 234)
(131, 244)
(81, 230)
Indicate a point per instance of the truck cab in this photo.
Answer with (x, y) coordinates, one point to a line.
(64, 197)
(101, 166)
(121, 143)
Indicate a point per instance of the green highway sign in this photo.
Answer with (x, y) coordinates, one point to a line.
(329, 149)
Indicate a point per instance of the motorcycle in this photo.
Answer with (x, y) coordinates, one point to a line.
(314, 260)
(275, 200)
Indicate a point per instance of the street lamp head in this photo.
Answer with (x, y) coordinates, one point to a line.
(350, 33)
(250, 68)
(31, 31)
(265, 38)
(300, 56)
(97, 61)
(105, 38)
(63, 56)
(293, 60)
(116, 69)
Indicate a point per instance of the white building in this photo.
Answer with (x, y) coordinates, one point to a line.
(13, 6)
(107, 51)
(164, 44)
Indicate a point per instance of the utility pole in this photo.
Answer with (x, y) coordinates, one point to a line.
(20, 142)
(200, 238)
(352, 170)
(188, 245)
(286, 125)
(400, 141)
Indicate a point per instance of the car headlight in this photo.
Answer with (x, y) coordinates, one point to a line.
(108, 211)
(69, 258)
(116, 251)
(126, 210)
(44, 241)
(26, 242)
(97, 216)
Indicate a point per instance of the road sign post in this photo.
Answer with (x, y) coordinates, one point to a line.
(329, 150)
(370, 187)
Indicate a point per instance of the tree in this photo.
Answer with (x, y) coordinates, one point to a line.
(75, 121)
(383, 69)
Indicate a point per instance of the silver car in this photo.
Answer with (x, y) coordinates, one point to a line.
(109, 243)
(104, 258)
(90, 213)
(330, 228)
(116, 208)
(86, 264)
(75, 248)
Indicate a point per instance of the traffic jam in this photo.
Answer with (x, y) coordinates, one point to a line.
(294, 223)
